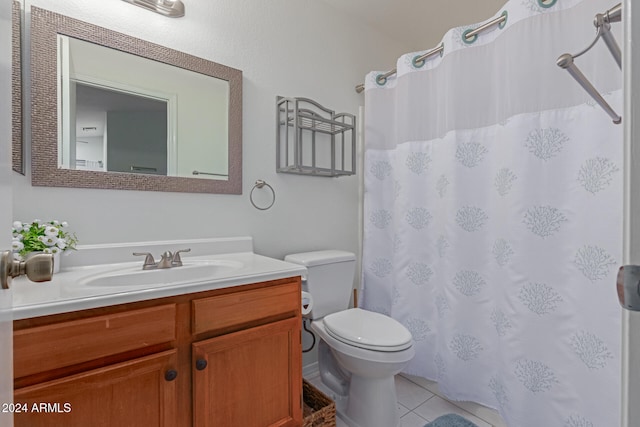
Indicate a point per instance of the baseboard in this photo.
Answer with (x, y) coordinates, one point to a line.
(310, 370)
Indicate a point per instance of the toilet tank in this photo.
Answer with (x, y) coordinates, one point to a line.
(329, 279)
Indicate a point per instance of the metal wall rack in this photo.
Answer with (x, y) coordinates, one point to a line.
(314, 140)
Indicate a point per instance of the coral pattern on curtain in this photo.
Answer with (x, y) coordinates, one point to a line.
(493, 216)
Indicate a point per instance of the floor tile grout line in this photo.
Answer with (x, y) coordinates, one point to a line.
(441, 397)
(432, 395)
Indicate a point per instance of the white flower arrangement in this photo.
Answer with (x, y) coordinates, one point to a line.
(38, 236)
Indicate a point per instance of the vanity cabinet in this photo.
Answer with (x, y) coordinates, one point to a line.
(250, 377)
(226, 357)
(133, 393)
(230, 388)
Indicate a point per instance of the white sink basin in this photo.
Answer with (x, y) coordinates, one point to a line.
(190, 272)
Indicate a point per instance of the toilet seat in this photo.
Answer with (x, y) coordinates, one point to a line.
(368, 330)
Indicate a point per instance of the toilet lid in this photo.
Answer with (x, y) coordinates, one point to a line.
(367, 329)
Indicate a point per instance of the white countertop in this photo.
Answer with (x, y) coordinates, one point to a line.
(68, 292)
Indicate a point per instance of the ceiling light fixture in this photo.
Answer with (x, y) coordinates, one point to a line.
(171, 8)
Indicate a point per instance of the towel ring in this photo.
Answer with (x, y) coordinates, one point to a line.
(259, 184)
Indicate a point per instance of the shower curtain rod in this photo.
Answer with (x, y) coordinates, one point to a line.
(421, 58)
(602, 22)
(468, 35)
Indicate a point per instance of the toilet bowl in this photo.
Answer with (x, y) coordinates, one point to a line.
(359, 351)
(370, 360)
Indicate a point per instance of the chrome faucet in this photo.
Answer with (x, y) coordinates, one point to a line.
(167, 259)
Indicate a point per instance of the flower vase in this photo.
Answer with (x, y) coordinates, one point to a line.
(56, 262)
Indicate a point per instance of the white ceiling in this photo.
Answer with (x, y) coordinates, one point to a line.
(420, 24)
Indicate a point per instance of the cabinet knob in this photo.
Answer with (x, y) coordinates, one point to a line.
(201, 364)
(170, 375)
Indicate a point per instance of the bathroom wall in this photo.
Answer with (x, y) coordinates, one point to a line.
(290, 48)
(284, 47)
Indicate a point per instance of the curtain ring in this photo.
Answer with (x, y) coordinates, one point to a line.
(259, 184)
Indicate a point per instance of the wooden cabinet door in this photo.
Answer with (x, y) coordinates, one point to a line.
(250, 378)
(132, 393)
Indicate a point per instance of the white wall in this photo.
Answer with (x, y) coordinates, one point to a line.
(631, 255)
(91, 149)
(6, 328)
(284, 47)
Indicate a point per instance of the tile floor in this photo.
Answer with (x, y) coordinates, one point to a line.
(419, 403)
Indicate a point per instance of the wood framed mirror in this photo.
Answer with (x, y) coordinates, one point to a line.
(195, 146)
(17, 160)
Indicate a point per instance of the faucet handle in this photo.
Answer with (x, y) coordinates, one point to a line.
(149, 262)
(177, 262)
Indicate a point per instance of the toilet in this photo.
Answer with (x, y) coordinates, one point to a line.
(359, 351)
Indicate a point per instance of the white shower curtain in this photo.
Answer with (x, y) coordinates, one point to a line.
(493, 216)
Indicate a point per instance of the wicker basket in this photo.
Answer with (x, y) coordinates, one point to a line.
(318, 409)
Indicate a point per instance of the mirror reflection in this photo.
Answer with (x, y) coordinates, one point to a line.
(124, 113)
(116, 131)
(85, 77)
